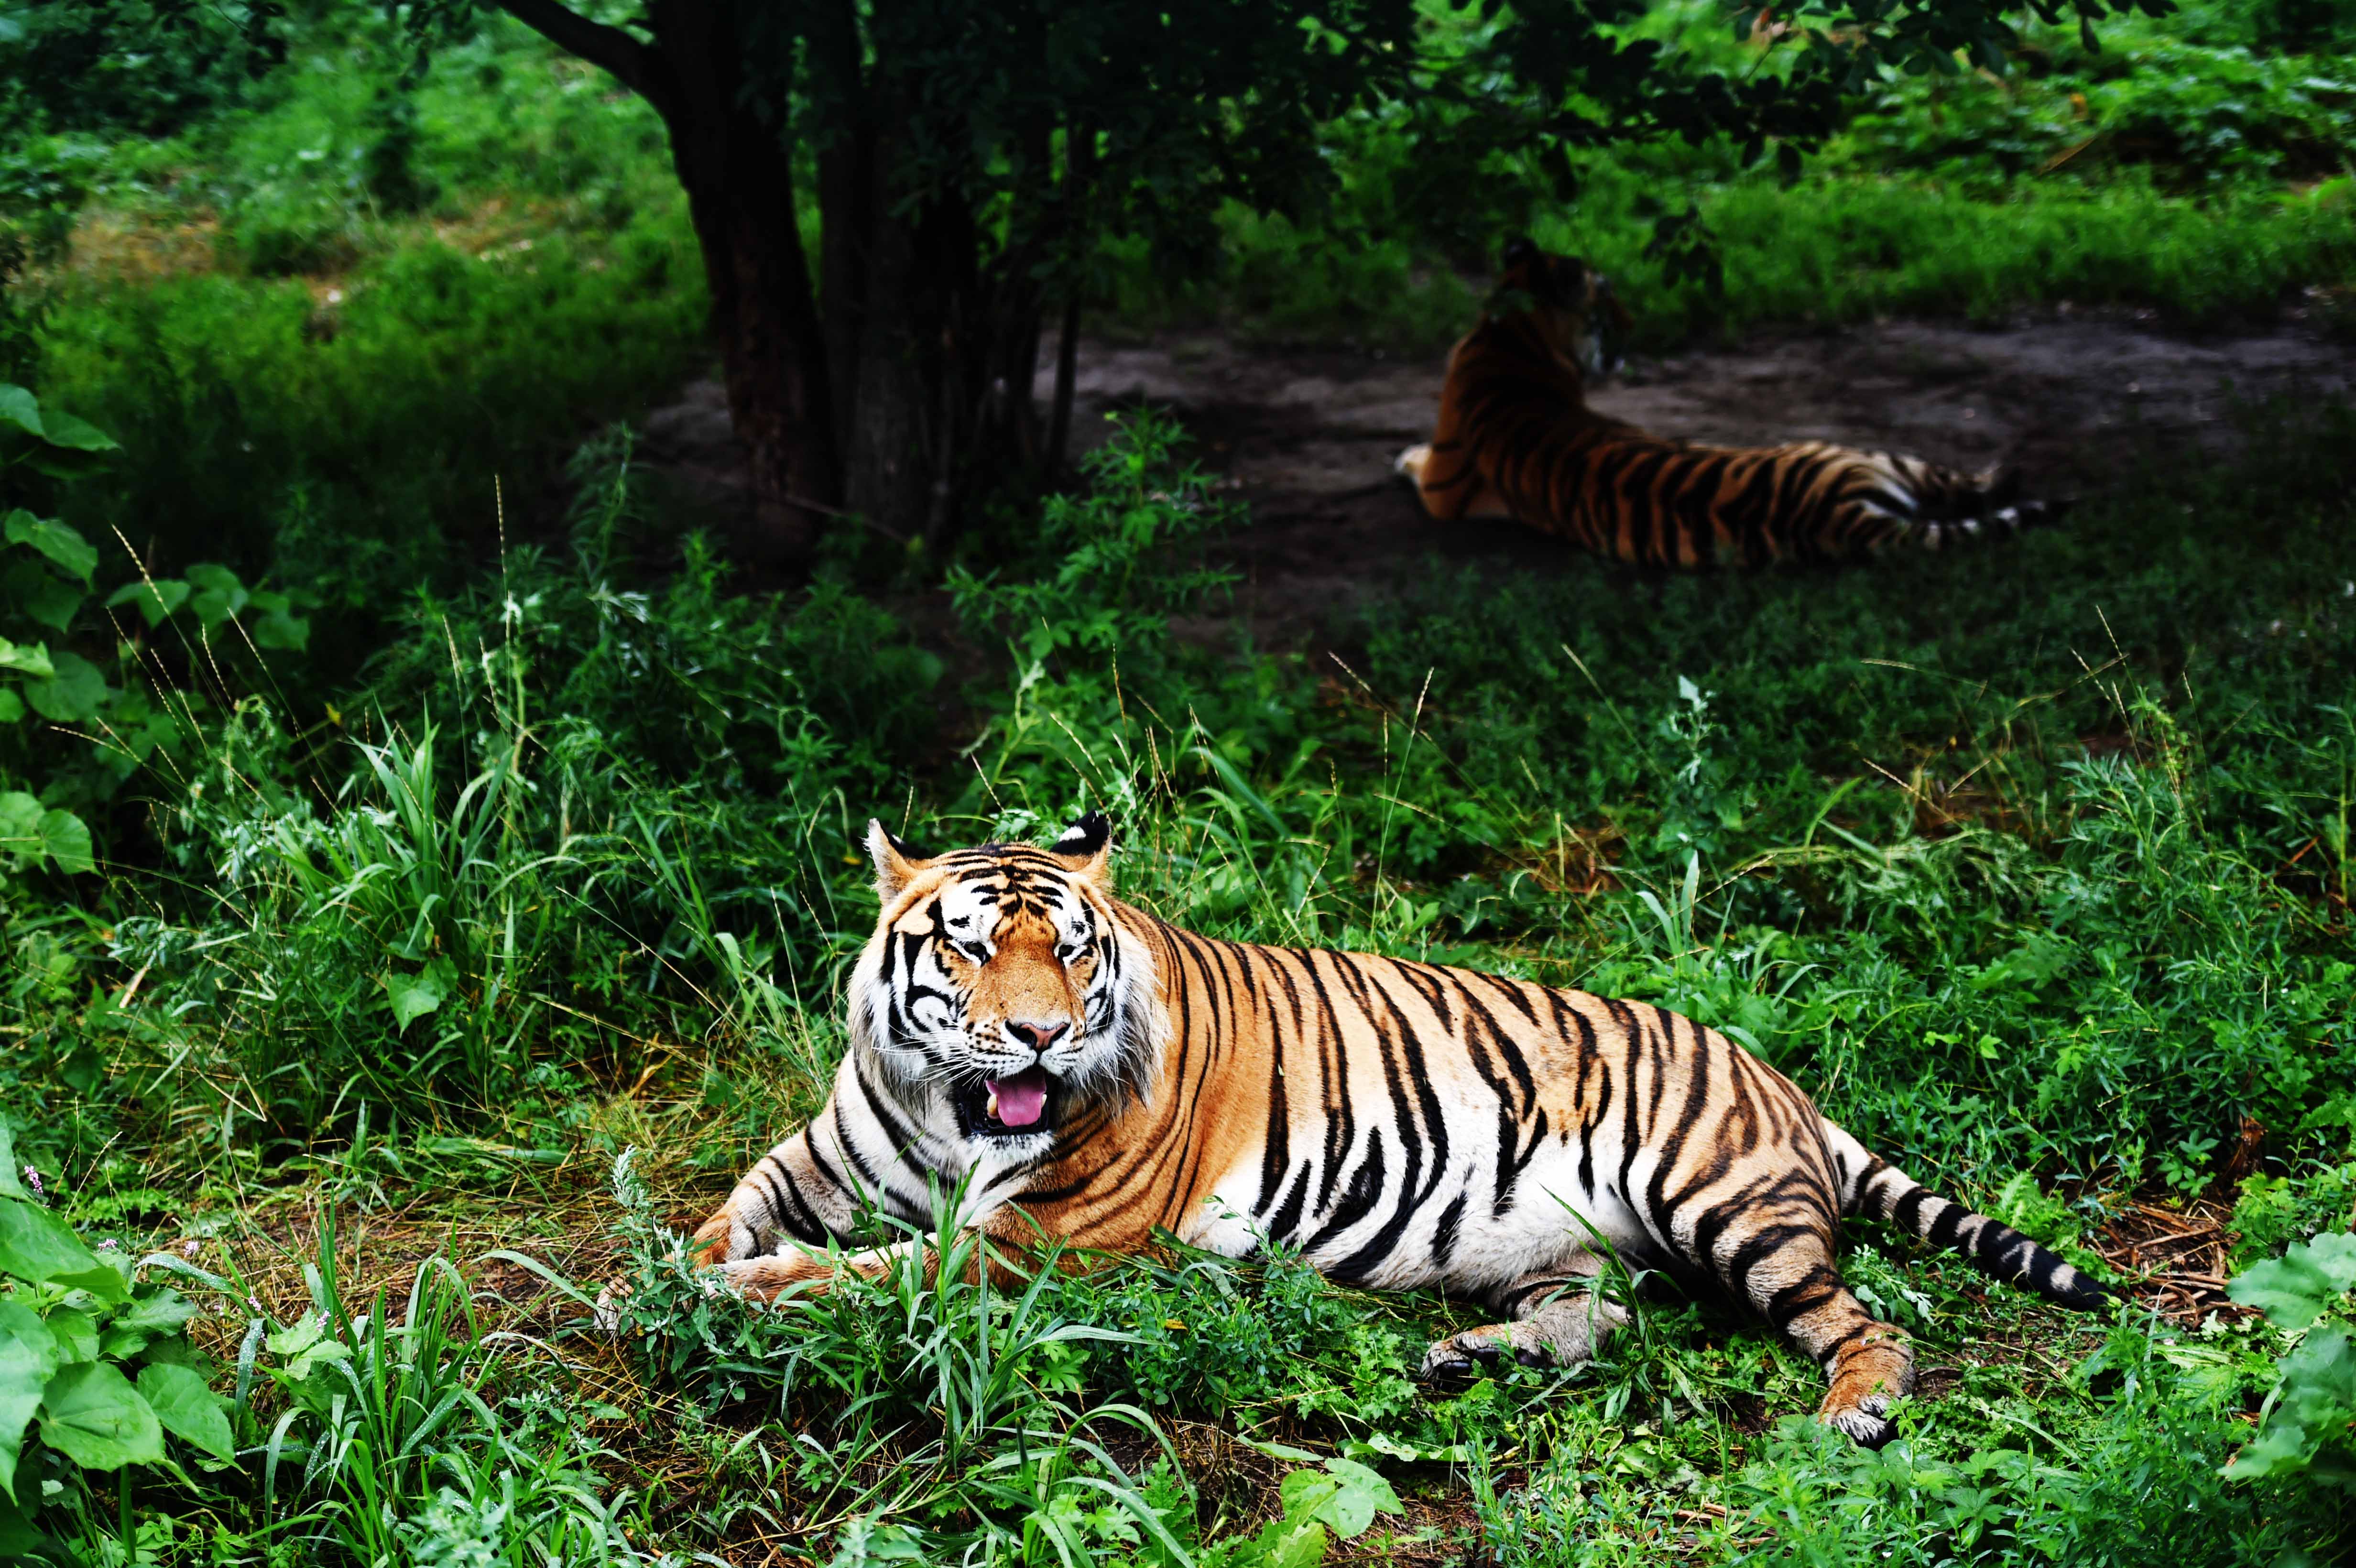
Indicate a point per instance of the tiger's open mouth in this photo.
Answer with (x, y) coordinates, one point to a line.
(1011, 1108)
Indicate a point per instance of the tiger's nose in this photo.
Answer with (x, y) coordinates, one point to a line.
(1038, 1037)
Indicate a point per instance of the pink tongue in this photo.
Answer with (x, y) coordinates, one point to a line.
(1021, 1100)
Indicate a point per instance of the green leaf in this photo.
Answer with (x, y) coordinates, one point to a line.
(28, 1356)
(76, 1334)
(12, 706)
(414, 996)
(2294, 1290)
(1347, 1497)
(33, 586)
(92, 1415)
(30, 658)
(213, 607)
(1289, 1542)
(65, 838)
(20, 827)
(155, 596)
(52, 601)
(11, 1185)
(75, 693)
(304, 1345)
(280, 630)
(158, 1310)
(189, 1410)
(75, 434)
(19, 407)
(34, 1245)
(65, 549)
(216, 579)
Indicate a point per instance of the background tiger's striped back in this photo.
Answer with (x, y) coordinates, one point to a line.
(1516, 438)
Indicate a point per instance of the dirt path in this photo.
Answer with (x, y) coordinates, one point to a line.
(1307, 438)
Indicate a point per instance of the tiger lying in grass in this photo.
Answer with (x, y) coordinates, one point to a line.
(1099, 1073)
(1516, 439)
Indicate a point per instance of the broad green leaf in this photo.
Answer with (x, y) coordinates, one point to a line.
(2311, 1410)
(33, 586)
(212, 606)
(34, 1245)
(155, 597)
(31, 659)
(11, 1185)
(119, 1344)
(12, 706)
(76, 1334)
(28, 1356)
(71, 553)
(1289, 1542)
(1359, 1494)
(76, 434)
(65, 838)
(304, 1344)
(414, 996)
(2294, 1290)
(19, 407)
(158, 1310)
(75, 693)
(92, 1415)
(189, 1410)
(20, 823)
(298, 1335)
(52, 602)
(279, 630)
(216, 579)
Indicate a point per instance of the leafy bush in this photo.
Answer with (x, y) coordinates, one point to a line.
(47, 574)
(2308, 1424)
(96, 1371)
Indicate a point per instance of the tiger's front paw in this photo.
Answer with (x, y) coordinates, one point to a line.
(1460, 1360)
(607, 1313)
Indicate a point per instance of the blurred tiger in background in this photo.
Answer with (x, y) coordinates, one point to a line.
(1095, 1077)
(1517, 439)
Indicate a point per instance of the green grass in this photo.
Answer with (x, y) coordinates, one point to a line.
(2043, 893)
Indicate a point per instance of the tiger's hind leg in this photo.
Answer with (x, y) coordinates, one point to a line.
(1560, 1316)
(1868, 1363)
(1456, 492)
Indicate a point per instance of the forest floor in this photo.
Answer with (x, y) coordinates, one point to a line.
(1306, 437)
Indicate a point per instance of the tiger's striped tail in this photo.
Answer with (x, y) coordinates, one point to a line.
(1878, 1189)
(1955, 506)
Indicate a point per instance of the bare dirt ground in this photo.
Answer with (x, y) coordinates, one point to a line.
(1306, 438)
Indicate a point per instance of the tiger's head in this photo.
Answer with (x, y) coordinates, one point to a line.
(1571, 303)
(1000, 993)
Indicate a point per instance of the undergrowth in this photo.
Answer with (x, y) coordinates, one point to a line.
(2047, 904)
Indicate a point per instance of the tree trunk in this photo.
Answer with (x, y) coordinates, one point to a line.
(902, 384)
(740, 195)
(776, 363)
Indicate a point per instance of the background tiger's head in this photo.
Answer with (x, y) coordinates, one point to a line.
(1571, 303)
(999, 991)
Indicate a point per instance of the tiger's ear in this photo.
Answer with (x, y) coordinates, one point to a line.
(1086, 845)
(896, 863)
(1518, 250)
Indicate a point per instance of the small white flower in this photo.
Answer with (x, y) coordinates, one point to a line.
(33, 1180)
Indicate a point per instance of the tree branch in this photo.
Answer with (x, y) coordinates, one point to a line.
(632, 63)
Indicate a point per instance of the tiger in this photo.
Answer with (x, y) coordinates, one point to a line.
(1515, 439)
(1090, 1080)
